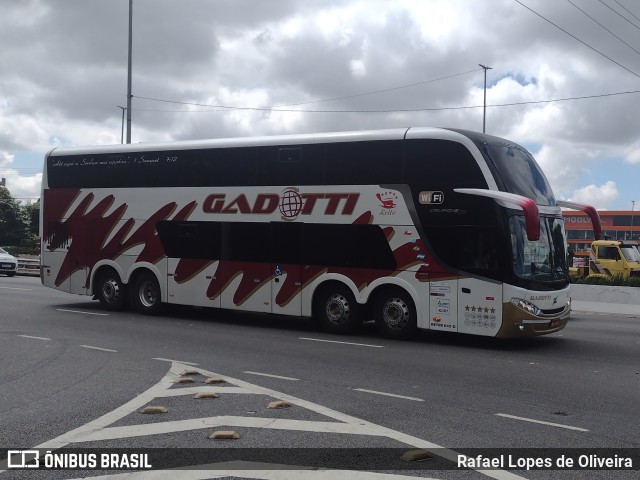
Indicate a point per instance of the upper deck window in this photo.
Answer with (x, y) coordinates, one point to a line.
(513, 168)
(518, 171)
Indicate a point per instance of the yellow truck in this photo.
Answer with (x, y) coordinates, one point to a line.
(614, 257)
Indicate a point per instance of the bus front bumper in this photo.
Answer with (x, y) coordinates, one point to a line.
(518, 323)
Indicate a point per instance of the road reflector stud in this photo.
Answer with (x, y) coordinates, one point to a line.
(154, 409)
(279, 404)
(215, 380)
(224, 435)
(205, 395)
(416, 455)
(189, 372)
(184, 380)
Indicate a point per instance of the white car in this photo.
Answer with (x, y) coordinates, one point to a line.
(8, 263)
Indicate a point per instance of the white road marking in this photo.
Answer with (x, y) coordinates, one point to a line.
(80, 311)
(35, 338)
(255, 470)
(17, 288)
(177, 392)
(389, 394)
(343, 343)
(157, 428)
(100, 428)
(175, 361)
(272, 376)
(542, 422)
(99, 348)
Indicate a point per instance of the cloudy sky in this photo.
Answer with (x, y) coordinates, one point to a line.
(228, 68)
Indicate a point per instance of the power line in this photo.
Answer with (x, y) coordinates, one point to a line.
(273, 109)
(629, 11)
(585, 13)
(576, 38)
(381, 91)
(223, 107)
(619, 14)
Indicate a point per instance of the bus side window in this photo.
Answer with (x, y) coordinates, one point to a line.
(289, 165)
(226, 167)
(357, 246)
(245, 242)
(190, 239)
(364, 163)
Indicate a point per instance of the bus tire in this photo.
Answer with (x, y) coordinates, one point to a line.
(111, 291)
(146, 296)
(336, 309)
(395, 314)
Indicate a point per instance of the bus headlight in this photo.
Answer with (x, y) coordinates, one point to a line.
(526, 306)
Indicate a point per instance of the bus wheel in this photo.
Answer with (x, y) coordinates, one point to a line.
(111, 291)
(336, 309)
(395, 314)
(145, 296)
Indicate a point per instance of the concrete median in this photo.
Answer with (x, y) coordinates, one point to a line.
(605, 299)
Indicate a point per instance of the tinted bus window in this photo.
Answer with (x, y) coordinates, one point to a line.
(363, 246)
(190, 239)
(290, 165)
(364, 163)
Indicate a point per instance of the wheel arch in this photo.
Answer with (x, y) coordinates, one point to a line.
(326, 280)
(99, 268)
(142, 267)
(378, 287)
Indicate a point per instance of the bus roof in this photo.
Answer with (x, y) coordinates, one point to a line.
(296, 139)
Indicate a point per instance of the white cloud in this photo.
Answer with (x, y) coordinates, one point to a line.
(63, 86)
(601, 197)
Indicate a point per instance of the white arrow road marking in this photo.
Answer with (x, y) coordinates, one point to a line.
(99, 430)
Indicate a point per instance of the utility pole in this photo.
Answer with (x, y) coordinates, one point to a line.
(633, 204)
(484, 109)
(122, 129)
(129, 73)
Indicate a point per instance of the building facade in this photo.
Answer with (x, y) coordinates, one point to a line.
(621, 225)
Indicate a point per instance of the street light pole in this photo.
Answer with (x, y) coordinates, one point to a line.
(484, 109)
(122, 129)
(633, 204)
(129, 72)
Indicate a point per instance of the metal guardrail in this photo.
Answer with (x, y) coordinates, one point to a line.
(28, 266)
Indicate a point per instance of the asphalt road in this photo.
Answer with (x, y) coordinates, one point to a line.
(73, 374)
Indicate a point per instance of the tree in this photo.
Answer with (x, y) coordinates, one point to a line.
(19, 224)
(11, 224)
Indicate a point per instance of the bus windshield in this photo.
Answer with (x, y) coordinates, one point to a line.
(543, 259)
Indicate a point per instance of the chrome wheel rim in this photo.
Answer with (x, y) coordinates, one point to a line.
(148, 294)
(110, 291)
(396, 313)
(337, 309)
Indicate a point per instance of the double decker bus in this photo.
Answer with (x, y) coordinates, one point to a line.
(415, 228)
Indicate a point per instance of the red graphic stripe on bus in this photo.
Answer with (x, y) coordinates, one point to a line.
(407, 255)
(188, 268)
(365, 219)
(254, 276)
(55, 204)
(153, 251)
(88, 236)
